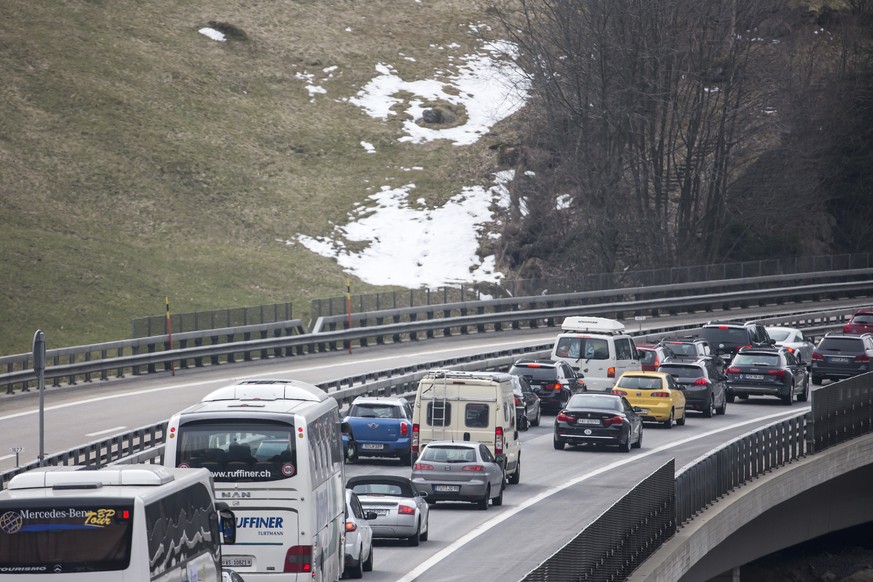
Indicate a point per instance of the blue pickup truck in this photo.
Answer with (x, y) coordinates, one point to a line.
(379, 427)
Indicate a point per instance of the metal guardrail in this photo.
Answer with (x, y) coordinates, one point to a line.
(86, 362)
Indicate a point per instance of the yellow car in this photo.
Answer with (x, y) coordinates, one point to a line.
(656, 393)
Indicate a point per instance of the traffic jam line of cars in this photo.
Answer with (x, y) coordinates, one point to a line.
(460, 437)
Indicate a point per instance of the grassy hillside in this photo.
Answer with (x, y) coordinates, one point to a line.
(141, 159)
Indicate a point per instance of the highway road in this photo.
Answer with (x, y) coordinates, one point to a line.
(560, 491)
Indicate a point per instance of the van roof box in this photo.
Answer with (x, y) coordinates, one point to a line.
(592, 325)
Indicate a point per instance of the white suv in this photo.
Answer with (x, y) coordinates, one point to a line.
(597, 347)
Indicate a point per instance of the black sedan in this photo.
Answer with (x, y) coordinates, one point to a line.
(527, 403)
(599, 419)
(767, 372)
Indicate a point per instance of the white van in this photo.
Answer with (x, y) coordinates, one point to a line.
(122, 523)
(597, 347)
(468, 406)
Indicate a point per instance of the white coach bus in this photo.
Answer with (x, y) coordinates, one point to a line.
(124, 523)
(274, 449)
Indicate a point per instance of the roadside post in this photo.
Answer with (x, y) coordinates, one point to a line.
(39, 368)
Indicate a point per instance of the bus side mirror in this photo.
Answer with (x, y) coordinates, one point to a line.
(226, 523)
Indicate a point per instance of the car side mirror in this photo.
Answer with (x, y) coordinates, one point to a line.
(422, 493)
(226, 523)
(638, 409)
(371, 515)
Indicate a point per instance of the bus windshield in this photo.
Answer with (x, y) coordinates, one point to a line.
(243, 450)
(77, 536)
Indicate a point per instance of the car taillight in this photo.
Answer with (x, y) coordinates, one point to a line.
(423, 467)
(862, 358)
(298, 560)
(351, 526)
(610, 372)
(775, 372)
(517, 401)
(405, 510)
(404, 429)
(657, 363)
(660, 394)
(847, 328)
(498, 440)
(619, 392)
(564, 417)
(414, 443)
(477, 468)
(817, 356)
(612, 420)
(732, 371)
(700, 382)
(555, 387)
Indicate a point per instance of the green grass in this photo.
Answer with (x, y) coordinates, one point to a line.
(140, 159)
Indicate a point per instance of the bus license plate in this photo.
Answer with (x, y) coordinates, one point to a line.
(447, 488)
(236, 562)
(372, 446)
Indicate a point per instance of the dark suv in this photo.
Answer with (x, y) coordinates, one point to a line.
(838, 356)
(554, 381)
(690, 349)
(702, 382)
(726, 338)
(767, 372)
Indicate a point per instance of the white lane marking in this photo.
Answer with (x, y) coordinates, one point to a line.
(116, 429)
(484, 527)
(274, 374)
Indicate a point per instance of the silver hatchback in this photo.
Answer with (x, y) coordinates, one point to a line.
(459, 471)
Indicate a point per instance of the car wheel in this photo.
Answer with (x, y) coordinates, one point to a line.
(559, 445)
(516, 476)
(423, 537)
(625, 447)
(681, 421)
(669, 422)
(744, 396)
(536, 420)
(368, 565)
(804, 396)
(710, 407)
(729, 398)
(816, 380)
(357, 571)
(639, 443)
(723, 408)
(498, 501)
(786, 400)
(415, 538)
(483, 503)
(406, 459)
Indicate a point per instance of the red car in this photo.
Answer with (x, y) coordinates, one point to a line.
(653, 355)
(861, 322)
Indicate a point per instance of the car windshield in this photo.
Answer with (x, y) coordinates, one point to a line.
(382, 488)
(768, 360)
(842, 344)
(594, 401)
(441, 454)
(590, 348)
(778, 334)
(725, 335)
(865, 318)
(640, 382)
(683, 349)
(535, 373)
(375, 410)
(647, 356)
(682, 371)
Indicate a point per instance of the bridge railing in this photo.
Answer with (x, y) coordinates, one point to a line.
(283, 339)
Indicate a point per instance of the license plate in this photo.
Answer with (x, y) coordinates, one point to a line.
(380, 512)
(840, 360)
(236, 562)
(754, 377)
(447, 488)
(587, 421)
(372, 446)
